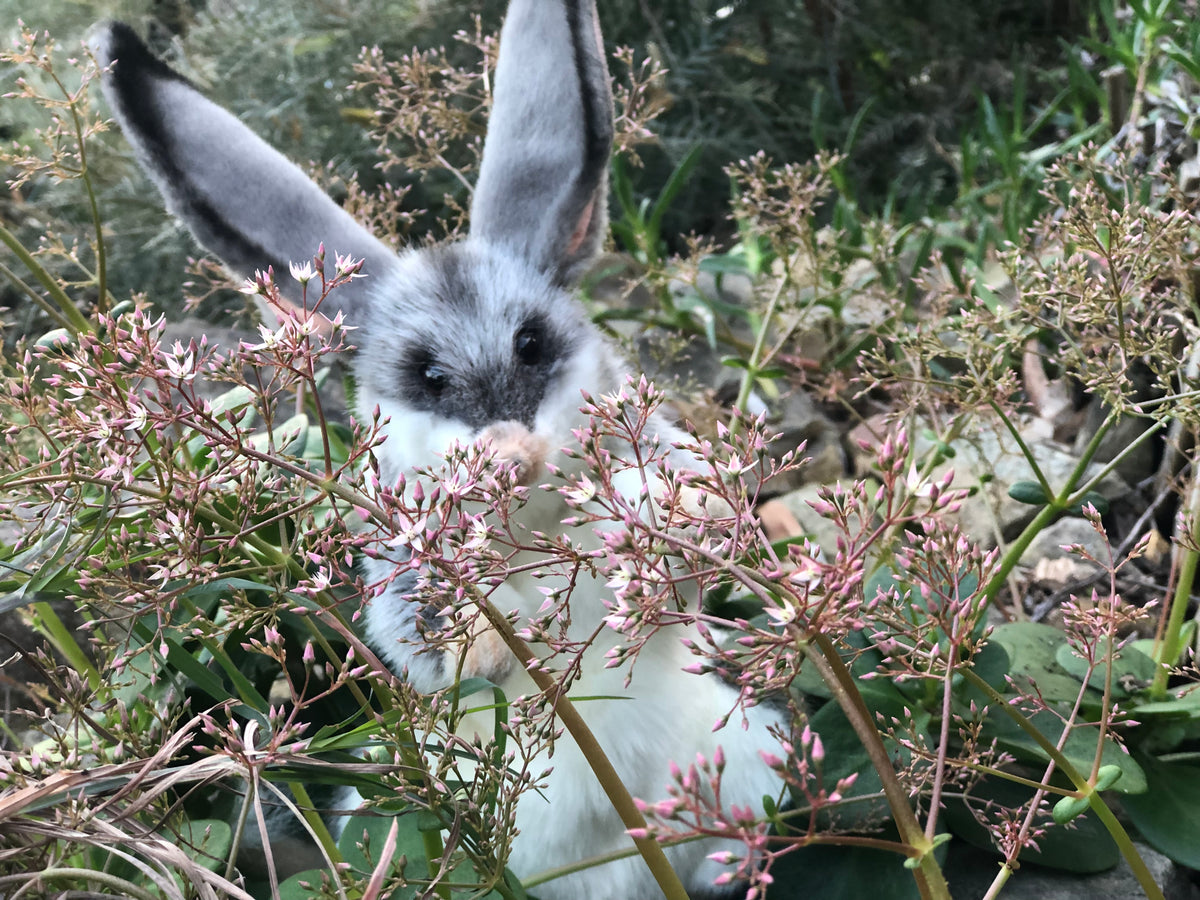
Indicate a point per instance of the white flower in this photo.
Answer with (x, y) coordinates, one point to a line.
(347, 265)
(180, 364)
(302, 273)
(137, 417)
(583, 491)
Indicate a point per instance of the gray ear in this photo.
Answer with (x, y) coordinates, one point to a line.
(542, 184)
(242, 199)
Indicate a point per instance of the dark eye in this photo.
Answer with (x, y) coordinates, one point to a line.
(435, 377)
(527, 345)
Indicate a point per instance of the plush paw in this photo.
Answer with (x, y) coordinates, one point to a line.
(487, 656)
(479, 653)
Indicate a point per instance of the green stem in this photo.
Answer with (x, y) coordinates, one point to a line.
(1025, 449)
(1012, 555)
(833, 671)
(431, 840)
(93, 205)
(1015, 779)
(1109, 820)
(754, 363)
(1085, 788)
(1055, 506)
(999, 882)
(1169, 648)
(314, 821)
(618, 795)
(48, 308)
(78, 323)
(239, 830)
(1111, 466)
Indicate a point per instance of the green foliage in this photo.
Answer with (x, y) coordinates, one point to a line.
(1167, 813)
(210, 542)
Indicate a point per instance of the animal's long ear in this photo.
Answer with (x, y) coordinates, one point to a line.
(242, 199)
(542, 185)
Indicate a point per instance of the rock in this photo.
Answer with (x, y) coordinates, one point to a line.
(1050, 542)
(817, 528)
(817, 333)
(861, 309)
(970, 871)
(988, 462)
(797, 419)
(1189, 175)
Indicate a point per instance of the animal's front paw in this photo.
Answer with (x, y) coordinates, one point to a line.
(482, 653)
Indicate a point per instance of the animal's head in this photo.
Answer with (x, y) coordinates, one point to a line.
(481, 337)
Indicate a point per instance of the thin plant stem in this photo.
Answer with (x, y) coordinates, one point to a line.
(939, 771)
(239, 829)
(48, 308)
(1168, 650)
(1085, 788)
(833, 671)
(64, 642)
(622, 801)
(314, 821)
(999, 882)
(1111, 466)
(78, 322)
(754, 364)
(124, 886)
(1055, 506)
(1025, 449)
(93, 204)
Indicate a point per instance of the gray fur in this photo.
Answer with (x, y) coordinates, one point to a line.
(240, 197)
(488, 381)
(546, 154)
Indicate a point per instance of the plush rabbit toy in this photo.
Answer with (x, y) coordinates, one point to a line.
(480, 340)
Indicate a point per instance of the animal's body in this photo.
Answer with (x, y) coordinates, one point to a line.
(481, 340)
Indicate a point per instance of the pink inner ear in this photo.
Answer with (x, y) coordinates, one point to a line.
(581, 229)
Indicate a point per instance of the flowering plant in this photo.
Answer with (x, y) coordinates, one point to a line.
(202, 508)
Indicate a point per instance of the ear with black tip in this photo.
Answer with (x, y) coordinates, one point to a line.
(543, 186)
(242, 199)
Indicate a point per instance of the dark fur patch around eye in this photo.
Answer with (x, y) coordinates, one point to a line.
(531, 344)
(423, 379)
(436, 378)
(479, 381)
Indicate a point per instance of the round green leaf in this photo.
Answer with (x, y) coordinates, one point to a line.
(1079, 748)
(845, 755)
(1107, 777)
(1032, 652)
(1099, 501)
(842, 873)
(1168, 813)
(1132, 670)
(209, 842)
(1068, 808)
(1030, 492)
(1180, 703)
(364, 835)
